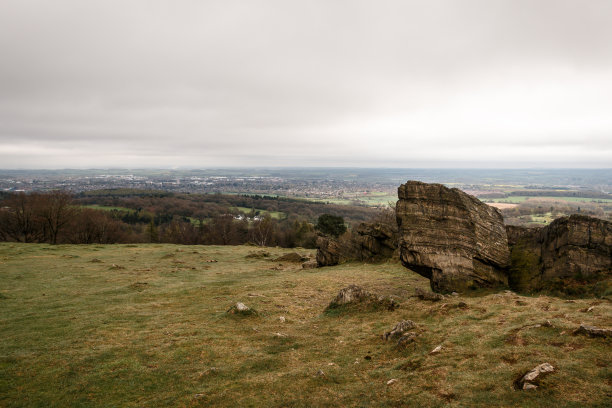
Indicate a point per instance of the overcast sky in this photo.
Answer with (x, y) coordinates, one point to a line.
(194, 83)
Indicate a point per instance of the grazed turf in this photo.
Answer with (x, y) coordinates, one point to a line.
(126, 325)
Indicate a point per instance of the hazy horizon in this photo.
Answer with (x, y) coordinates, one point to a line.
(486, 84)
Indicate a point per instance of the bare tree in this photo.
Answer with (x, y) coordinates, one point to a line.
(19, 219)
(57, 210)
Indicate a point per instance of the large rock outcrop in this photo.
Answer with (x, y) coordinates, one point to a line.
(375, 241)
(568, 255)
(329, 252)
(369, 242)
(451, 237)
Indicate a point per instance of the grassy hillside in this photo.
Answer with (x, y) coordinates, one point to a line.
(146, 326)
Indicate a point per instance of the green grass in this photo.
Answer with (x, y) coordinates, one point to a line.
(521, 199)
(107, 208)
(146, 327)
(278, 215)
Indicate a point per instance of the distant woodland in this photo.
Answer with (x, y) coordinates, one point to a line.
(135, 216)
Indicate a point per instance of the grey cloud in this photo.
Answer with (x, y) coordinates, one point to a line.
(311, 83)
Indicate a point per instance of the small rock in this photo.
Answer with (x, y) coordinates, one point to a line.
(240, 308)
(311, 264)
(320, 373)
(399, 329)
(589, 309)
(593, 331)
(355, 295)
(431, 296)
(291, 257)
(436, 350)
(406, 340)
(199, 396)
(280, 334)
(392, 381)
(454, 294)
(532, 378)
(282, 319)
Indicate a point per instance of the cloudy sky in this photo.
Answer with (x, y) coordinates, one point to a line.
(196, 83)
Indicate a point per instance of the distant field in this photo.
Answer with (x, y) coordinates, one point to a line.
(107, 208)
(374, 199)
(520, 199)
(273, 214)
(146, 326)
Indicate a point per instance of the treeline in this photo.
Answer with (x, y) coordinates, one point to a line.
(206, 206)
(59, 217)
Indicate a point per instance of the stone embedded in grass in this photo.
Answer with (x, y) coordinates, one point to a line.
(116, 267)
(436, 350)
(399, 330)
(356, 295)
(95, 260)
(258, 254)
(431, 296)
(310, 264)
(291, 257)
(406, 340)
(531, 379)
(593, 331)
(241, 309)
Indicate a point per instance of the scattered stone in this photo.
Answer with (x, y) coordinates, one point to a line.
(454, 294)
(354, 294)
(199, 396)
(588, 309)
(431, 296)
(392, 381)
(320, 373)
(278, 334)
(282, 319)
(406, 340)
(241, 309)
(593, 331)
(451, 237)
(436, 350)
(116, 267)
(310, 264)
(399, 330)
(291, 257)
(531, 379)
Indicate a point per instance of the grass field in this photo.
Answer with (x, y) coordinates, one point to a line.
(146, 326)
(107, 208)
(273, 214)
(520, 199)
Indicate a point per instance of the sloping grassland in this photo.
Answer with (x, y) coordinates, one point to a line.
(146, 326)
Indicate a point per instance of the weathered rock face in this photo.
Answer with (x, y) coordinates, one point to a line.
(576, 248)
(450, 237)
(328, 252)
(375, 241)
